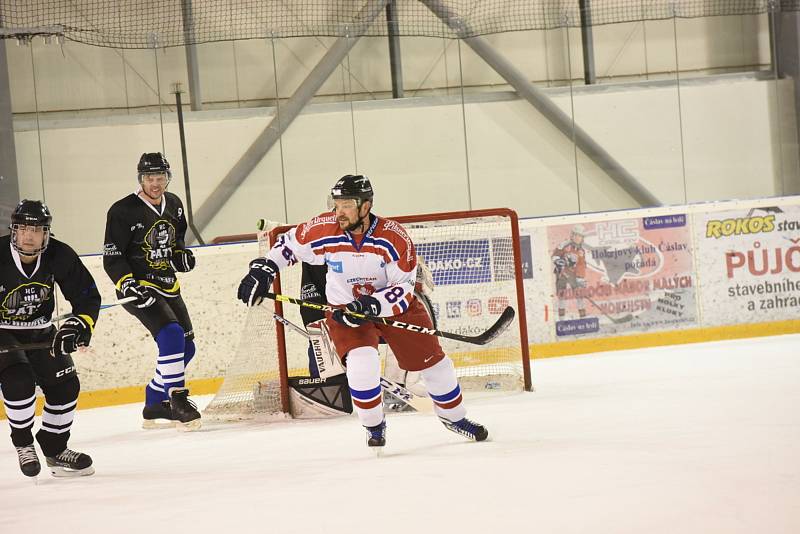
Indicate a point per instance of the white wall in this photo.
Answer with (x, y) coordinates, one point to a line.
(735, 137)
(76, 76)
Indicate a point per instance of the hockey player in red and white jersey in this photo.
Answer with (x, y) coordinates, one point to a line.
(372, 268)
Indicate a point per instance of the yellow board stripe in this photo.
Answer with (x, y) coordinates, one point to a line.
(658, 339)
(206, 386)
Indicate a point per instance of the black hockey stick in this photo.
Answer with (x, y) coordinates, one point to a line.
(26, 346)
(481, 339)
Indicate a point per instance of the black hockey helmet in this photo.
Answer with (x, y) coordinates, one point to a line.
(153, 163)
(355, 186)
(30, 213)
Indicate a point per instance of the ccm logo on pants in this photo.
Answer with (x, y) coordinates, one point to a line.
(66, 371)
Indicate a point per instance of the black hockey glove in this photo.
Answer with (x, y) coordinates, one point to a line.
(365, 305)
(182, 260)
(144, 296)
(74, 332)
(560, 263)
(255, 286)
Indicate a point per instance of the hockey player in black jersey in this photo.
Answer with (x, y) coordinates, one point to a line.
(31, 264)
(144, 248)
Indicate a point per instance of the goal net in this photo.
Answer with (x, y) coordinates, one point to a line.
(474, 258)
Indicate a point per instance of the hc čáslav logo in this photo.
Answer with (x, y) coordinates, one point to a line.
(158, 244)
(22, 302)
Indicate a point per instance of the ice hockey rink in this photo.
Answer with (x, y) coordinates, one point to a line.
(683, 439)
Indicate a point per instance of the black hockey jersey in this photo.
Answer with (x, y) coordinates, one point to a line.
(140, 240)
(27, 301)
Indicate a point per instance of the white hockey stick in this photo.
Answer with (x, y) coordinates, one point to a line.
(421, 404)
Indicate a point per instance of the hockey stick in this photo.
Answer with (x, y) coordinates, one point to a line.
(393, 388)
(481, 339)
(26, 346)
(102, 307)
(47, 344)
(615, 320)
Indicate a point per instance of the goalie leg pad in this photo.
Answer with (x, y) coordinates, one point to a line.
(443, 388)
(364, 377)
(317, 397)
(322, 358)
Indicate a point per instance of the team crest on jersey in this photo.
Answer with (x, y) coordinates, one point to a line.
(158, 244)
(360, 290)
(22, 302)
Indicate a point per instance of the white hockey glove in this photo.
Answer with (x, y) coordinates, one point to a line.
(182, 260)
(144, 296)
(365, 305)
(255, 286)
(74, 332)
(424, 277)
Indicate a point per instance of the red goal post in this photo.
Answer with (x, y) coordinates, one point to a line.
(475, 259)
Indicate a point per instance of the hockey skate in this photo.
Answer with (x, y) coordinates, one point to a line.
(28, 461)
(467, 428)
(184, 411)
(376, 436)
(157, 416)
(70, 464)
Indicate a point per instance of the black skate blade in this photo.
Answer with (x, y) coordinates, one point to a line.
(65, 472)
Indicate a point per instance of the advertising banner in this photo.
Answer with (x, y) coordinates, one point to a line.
(749, 264)
(622, 276)
(474, 280)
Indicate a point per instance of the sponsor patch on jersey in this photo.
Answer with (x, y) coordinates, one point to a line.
(309, 291)
(110, 249)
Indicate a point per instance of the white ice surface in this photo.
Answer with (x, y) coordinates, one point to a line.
(683, 439)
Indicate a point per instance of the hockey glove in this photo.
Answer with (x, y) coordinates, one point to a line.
(365, 305)
(580, 282)
(560, 263)
(74, 332)
(255, 286)
(144, 296)
(182, 260)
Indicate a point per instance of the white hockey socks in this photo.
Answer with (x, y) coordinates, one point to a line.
(364, 378)
(444, 390)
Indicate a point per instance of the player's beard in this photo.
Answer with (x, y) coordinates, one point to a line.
(361, 222)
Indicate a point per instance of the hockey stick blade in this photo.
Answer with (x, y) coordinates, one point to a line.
(481, 339)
